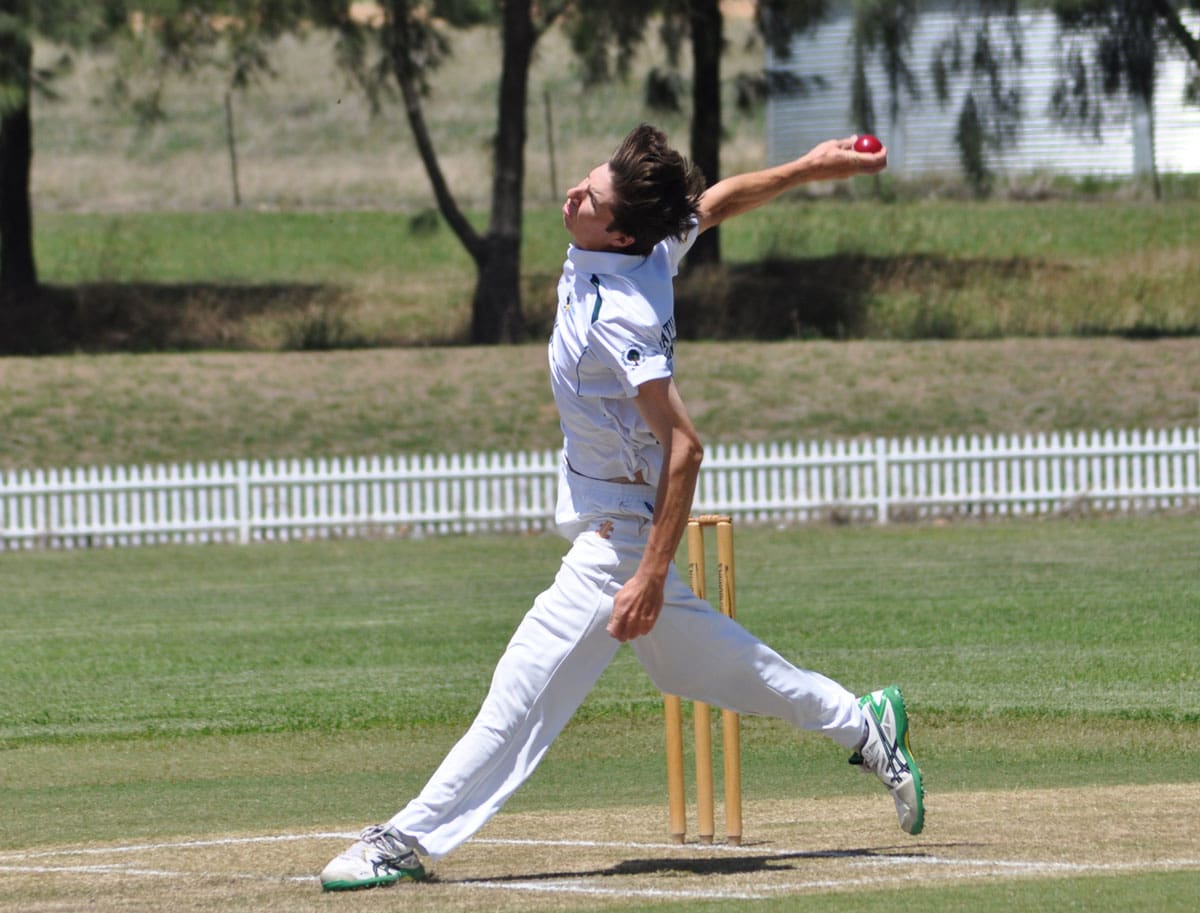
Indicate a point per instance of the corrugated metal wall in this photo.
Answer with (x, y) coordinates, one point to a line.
(921, 141)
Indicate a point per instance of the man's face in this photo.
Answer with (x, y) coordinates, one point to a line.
(587, 213)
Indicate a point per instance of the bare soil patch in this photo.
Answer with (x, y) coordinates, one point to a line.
(589, 859)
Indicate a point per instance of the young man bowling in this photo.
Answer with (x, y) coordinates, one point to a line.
(630, 462)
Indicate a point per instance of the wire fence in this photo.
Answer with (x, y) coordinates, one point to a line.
(788, 483)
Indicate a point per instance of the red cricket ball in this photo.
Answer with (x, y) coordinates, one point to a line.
(867, 143)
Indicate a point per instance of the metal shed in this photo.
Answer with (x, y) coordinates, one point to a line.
(921, 140)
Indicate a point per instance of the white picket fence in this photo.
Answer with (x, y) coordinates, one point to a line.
(878, 480)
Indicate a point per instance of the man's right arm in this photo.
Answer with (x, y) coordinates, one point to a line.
(637, 604)
(830, 161)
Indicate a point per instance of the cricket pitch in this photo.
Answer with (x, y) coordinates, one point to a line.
(620, 857)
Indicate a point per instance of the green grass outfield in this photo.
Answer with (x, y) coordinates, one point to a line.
(159, 692)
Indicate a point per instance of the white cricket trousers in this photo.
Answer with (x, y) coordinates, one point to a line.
(561, 647)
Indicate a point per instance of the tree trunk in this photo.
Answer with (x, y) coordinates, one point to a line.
(496, 305)
(496, 314)
(18, 272)
(707, 43)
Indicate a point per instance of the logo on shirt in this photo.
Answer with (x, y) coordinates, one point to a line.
(633, 357)
(668, 339)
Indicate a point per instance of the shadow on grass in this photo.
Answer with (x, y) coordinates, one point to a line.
(780, 298)
(151, 317)
(825, 297)
(835, 297)
(740, 864)
(777, 298)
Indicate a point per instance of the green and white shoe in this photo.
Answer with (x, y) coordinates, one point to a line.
(378, 857)
(886, 753)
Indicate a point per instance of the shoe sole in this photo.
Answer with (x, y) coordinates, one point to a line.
(896, 699)
(381, 882)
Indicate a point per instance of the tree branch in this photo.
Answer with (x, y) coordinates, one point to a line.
(550, 13)
(398, 41)
(447, 205)
(1170, 17)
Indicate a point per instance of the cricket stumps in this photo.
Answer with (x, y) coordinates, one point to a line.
(701, 713)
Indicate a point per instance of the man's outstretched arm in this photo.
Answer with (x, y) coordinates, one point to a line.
(833, 160)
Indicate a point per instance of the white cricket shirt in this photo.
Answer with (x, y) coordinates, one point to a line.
(614, 330)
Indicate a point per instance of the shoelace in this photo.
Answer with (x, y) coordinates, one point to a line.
(893, 763)
(390, 845)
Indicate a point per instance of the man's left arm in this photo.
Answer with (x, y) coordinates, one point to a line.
(637, 604)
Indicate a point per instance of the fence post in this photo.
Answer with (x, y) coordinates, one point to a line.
(881, 481)
(1194, 467)
(243, 501)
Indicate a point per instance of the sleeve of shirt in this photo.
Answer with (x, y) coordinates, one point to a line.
(634, 351)
(676, 248)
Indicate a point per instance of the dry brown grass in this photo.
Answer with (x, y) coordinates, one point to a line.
(206, 406)
(307, 138)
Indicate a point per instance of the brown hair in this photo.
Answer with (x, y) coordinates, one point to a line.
(656, 191)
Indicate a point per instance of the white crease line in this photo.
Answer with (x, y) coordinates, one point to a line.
(576, 887)
(824, 884)
(772, 890)
(1033, 865)
(617, 845)
(182, 844)
(283, 838)
(145, 873)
